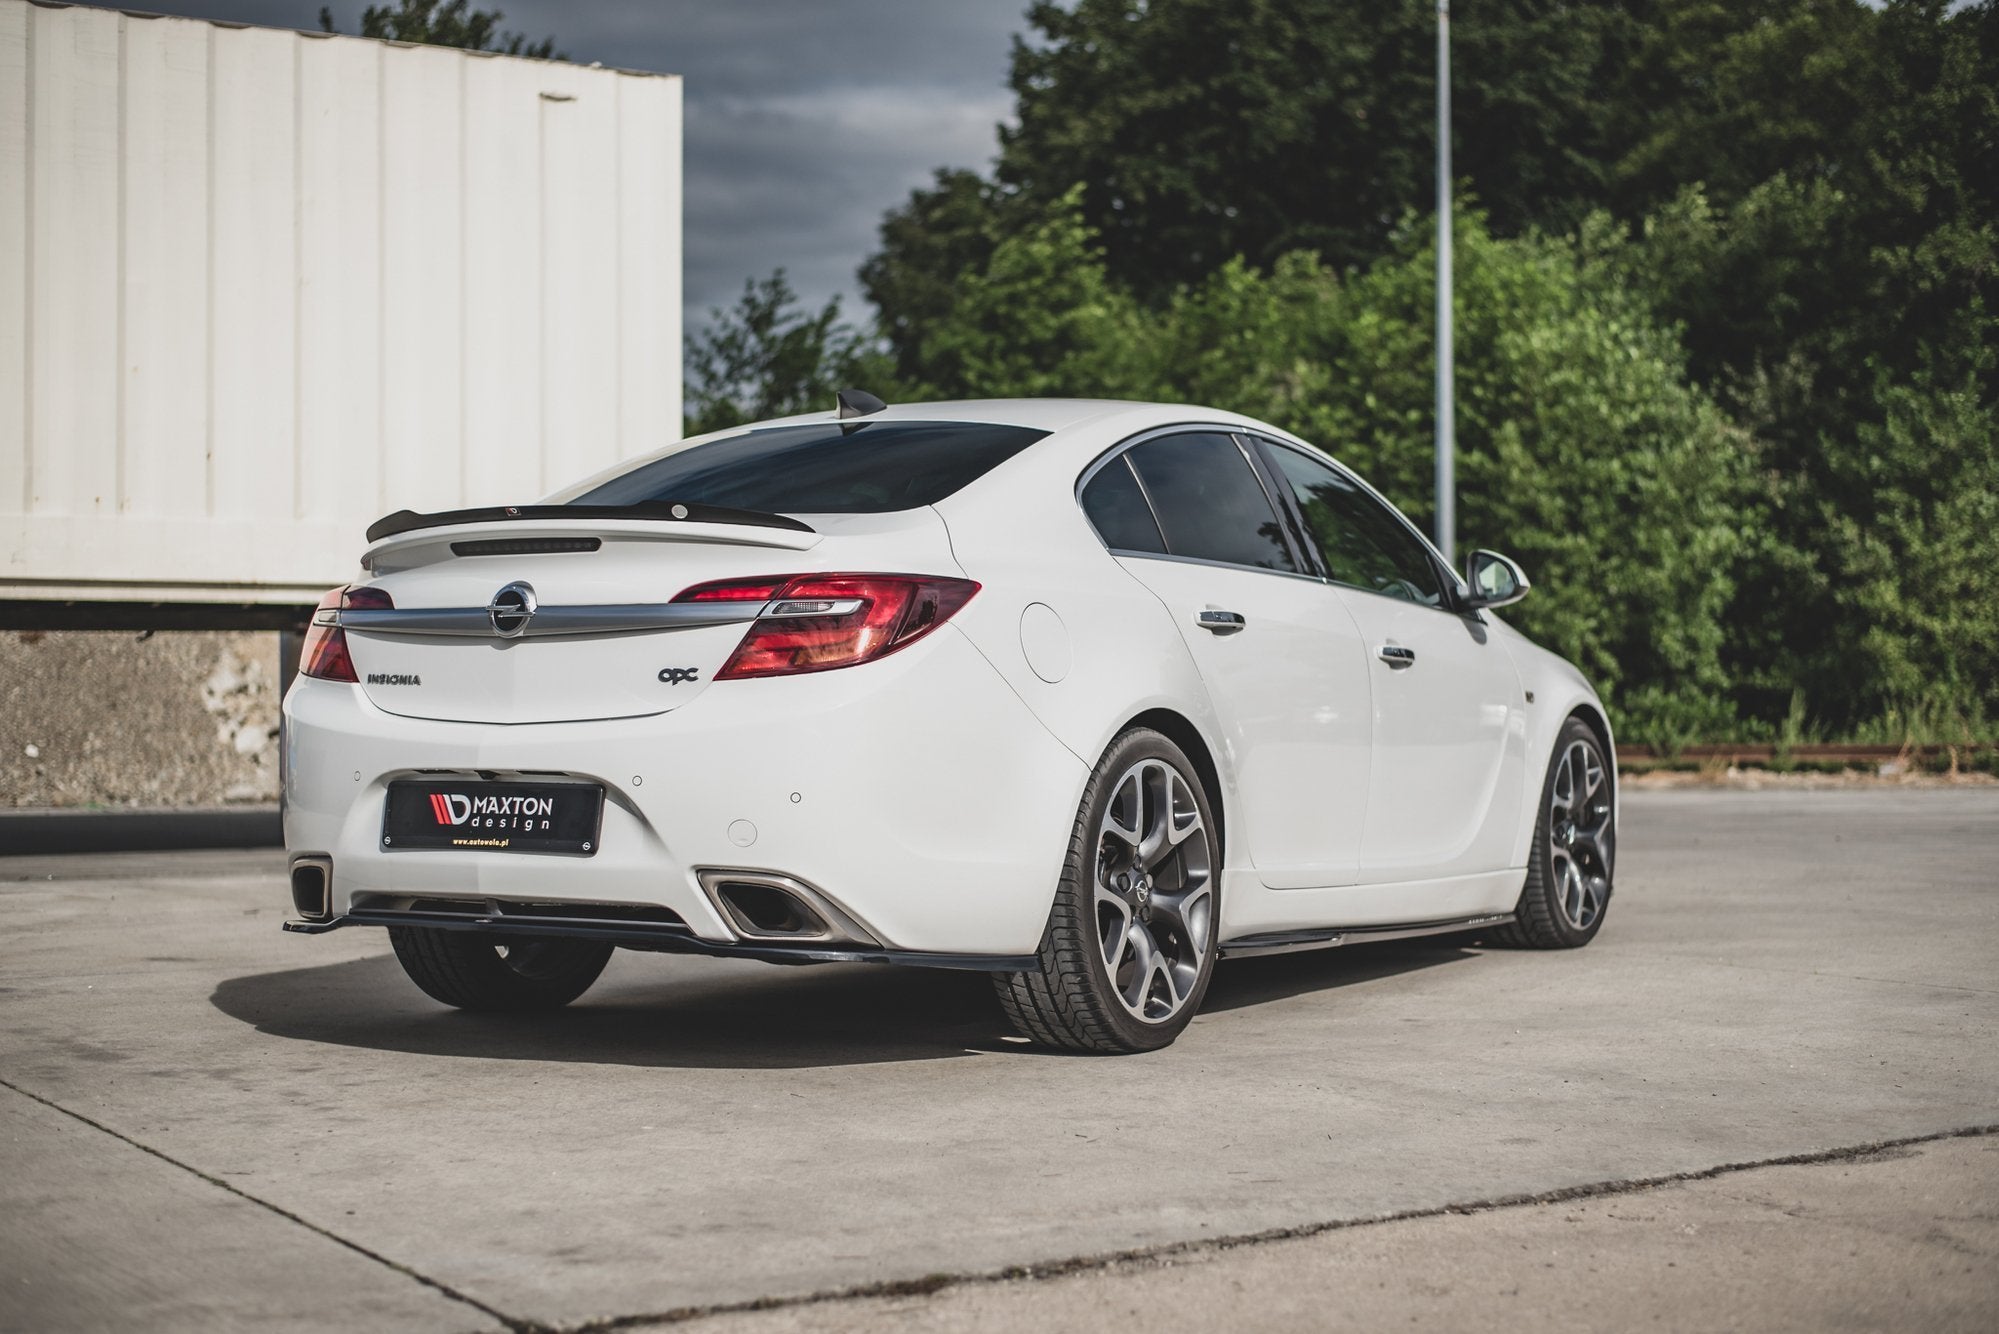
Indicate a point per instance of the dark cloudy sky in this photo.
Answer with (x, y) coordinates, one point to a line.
(806, 119)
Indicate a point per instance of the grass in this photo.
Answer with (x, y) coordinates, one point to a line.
(1955, 725)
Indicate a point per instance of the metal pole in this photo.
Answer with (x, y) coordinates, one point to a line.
(1446, 367)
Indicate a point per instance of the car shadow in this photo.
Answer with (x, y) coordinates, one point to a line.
(1244, 982)
(705, 1014)
(730, 1015)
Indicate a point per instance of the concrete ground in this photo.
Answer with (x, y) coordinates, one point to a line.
(1898, 1239)
(207, 1125)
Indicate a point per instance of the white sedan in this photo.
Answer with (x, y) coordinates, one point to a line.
(1083, 694)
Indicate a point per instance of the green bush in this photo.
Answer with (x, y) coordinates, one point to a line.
(1583, 451)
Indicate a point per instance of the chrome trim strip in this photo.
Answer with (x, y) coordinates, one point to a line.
(1122, 554)
(615, 617)
(1319, 938)
(1220, 622)
(606, 618)
(1105, 459)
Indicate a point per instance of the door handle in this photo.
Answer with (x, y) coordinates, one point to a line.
(1396, 656)
(1219, 622)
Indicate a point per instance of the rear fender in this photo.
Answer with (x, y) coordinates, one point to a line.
(1086, 646)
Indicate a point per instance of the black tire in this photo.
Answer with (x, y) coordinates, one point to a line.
(471, 971)
(1574, 853)
(1071, 1000)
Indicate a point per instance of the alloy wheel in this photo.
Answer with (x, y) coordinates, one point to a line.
(1580, 838)
(1154, 890)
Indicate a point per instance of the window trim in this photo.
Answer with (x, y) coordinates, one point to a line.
(1278, 490)
(1305, 560)
(1453, 587)
(1144, 494)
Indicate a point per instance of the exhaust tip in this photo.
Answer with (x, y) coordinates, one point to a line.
(312, 887)
(763, 906)
(767, 910)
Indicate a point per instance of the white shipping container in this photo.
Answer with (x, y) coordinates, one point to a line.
(260, 287)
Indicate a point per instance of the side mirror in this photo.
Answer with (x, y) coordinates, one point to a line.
(1494, 580)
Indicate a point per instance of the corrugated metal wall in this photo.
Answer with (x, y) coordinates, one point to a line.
(259, 287)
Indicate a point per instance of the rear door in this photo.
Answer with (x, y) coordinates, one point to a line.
(1449, 719)
(1189, 517)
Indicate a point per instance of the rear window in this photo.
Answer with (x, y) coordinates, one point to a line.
(1209, 503)
(824, 468)
(1118, 510)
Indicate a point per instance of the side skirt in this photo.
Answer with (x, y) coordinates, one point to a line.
(1321, 938)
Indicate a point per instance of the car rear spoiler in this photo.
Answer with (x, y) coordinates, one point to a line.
(403, 521)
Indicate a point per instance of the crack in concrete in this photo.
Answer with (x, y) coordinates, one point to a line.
(512, 1323)
(1042, 1270)
(933, 1283)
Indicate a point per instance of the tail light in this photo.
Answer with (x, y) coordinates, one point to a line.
(817, 622)
(325, 654)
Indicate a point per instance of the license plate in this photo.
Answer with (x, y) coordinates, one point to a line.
(493, 817)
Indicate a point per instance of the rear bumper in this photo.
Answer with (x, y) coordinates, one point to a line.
(918, 793)
(670, 940)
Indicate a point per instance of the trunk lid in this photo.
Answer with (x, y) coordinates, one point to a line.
(590, 574)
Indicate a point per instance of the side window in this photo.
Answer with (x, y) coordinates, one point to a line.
(1363, 543)
(1117, 509)
(1209, 503)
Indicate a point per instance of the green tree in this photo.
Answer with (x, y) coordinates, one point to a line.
(1039, 318)
(445, 23)
(1584, 449)
(1911, 575)
(768, 357)
(1206, 129)
(942, 234)
(1815, 301)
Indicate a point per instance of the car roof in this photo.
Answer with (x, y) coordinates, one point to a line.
(1041, 414)
(1078, 428)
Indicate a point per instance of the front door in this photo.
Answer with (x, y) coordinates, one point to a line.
(1449, 718)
